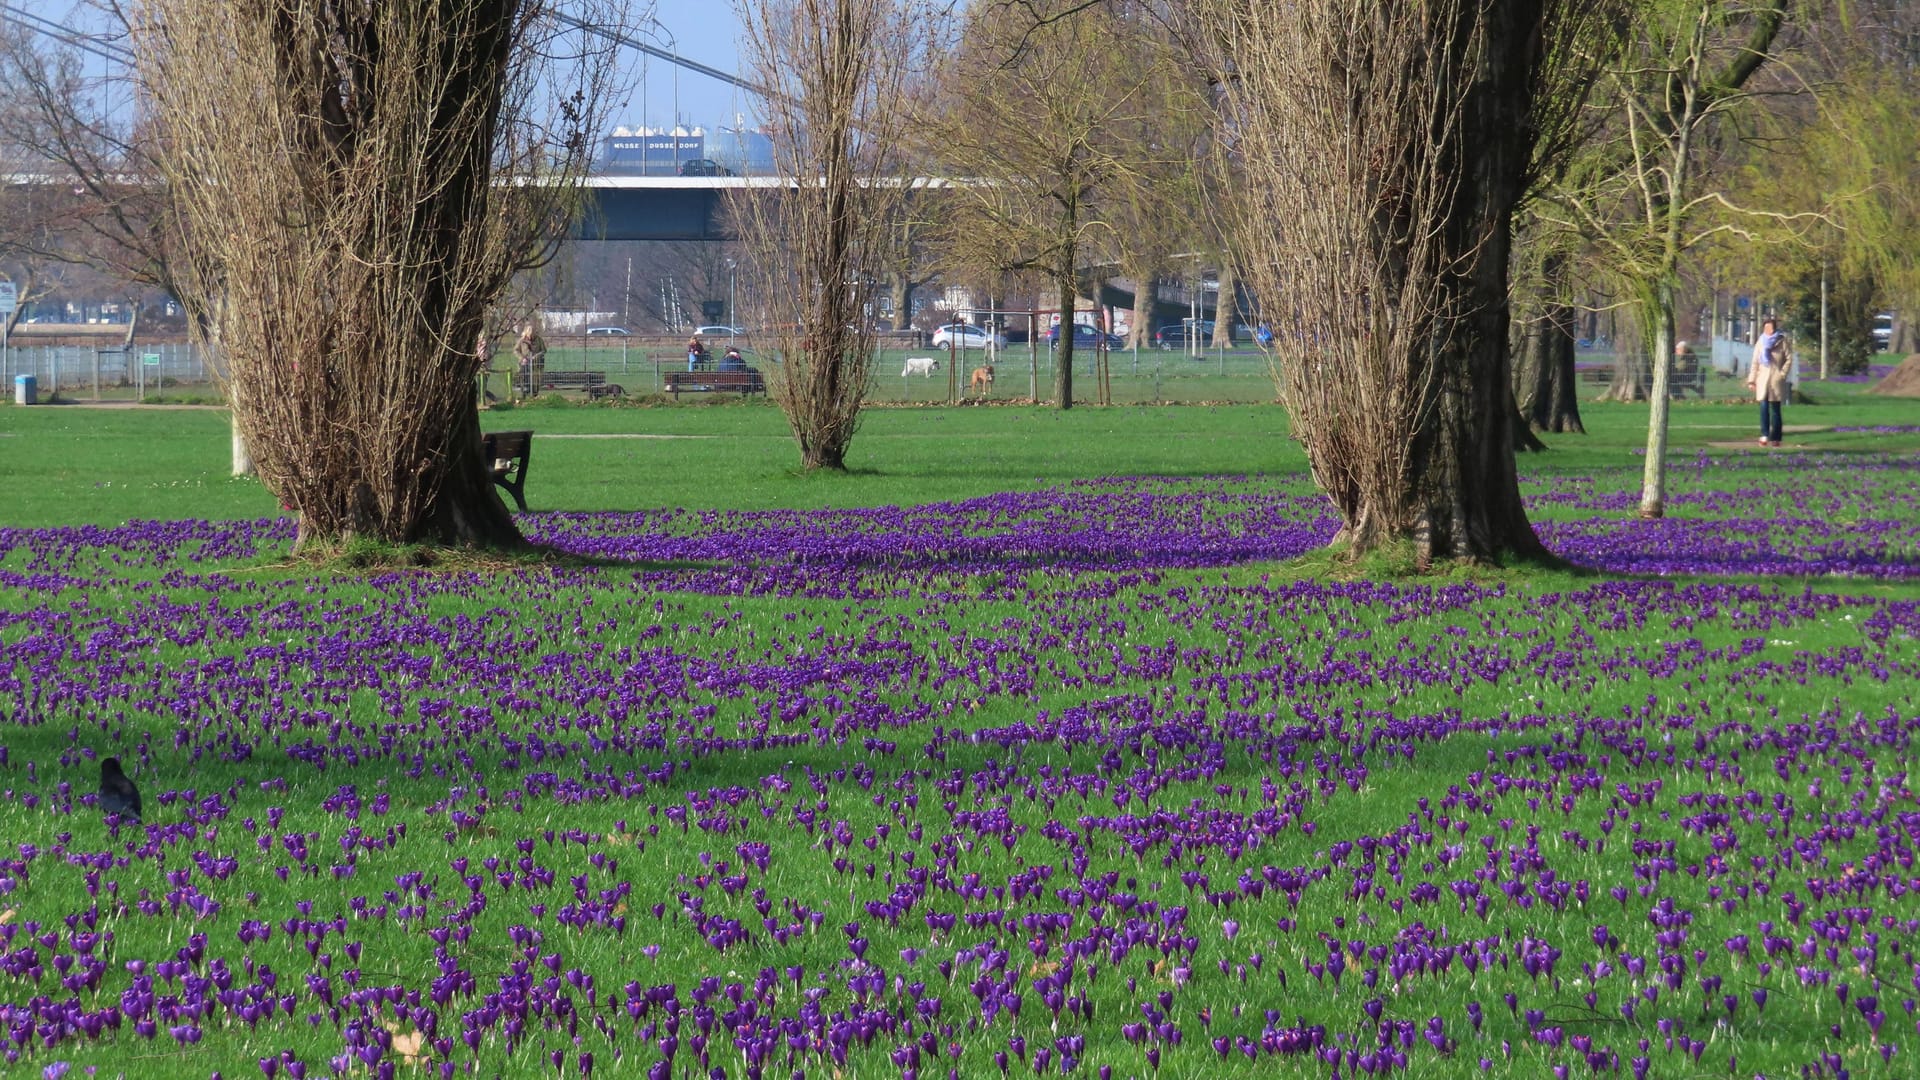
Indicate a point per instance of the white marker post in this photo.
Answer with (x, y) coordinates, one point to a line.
(9, 301)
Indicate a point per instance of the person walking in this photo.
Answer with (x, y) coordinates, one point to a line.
(1686, 371)
(531, 351)
(1767, 378)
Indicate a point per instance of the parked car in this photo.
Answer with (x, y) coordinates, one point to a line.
(1086, 337)
(1883, 331)
(703, 167)
(721, 331)
(965, 336)
(1175, 335)
(612, 331)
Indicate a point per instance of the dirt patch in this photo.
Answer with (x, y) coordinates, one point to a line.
(1903, 381)
(1754, 445)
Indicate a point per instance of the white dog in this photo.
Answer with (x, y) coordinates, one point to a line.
(920, 365)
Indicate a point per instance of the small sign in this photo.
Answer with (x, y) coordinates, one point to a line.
(9, 298)
(1742, 302)
(151, 359)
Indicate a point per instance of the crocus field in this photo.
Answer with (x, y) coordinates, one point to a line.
(1096, 779)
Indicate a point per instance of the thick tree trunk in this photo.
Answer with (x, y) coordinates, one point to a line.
(242, 461)
(354, 238)
(1546, 382)
(1063, 347)
(818, 457)
(1465, 493)
(903, 289)
(1657, 320)
(1138, 334)
(446, 499)
(1629, 376)
(1524, 440)
(1546, 385)
(1903, 342)
(1226, 308)
(1460, 498)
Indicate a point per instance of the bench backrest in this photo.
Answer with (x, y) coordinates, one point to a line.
(500, 445)
(715, 378)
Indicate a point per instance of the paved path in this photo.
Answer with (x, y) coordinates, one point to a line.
(621, 435)
(126, 405)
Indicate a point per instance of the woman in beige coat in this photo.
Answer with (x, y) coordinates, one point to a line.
(1767, 378)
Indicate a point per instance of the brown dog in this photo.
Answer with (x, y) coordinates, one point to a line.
(981, 380)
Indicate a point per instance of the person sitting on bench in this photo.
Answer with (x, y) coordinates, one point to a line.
(733, 361)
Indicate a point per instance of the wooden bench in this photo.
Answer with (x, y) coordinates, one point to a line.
(714, 382)
(1680, 382)
(593, 382)
(505, 454)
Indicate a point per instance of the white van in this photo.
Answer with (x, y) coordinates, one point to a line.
(1883, 330)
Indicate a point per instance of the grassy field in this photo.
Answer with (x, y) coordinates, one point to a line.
(1039, 744)
(83, 465)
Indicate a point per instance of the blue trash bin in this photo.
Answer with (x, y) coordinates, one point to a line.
(26, 390)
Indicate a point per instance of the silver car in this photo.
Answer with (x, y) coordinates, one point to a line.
(965, 336)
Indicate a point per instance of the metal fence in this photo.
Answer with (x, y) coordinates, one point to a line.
(1020, 371)
(88, 371)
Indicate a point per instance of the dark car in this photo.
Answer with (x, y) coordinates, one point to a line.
(1178, 335)
(1086, 337)
(703, 167)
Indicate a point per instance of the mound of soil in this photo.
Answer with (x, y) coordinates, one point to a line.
(1903, 381)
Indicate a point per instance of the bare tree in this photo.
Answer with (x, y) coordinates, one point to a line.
(110, 210)
(911, 265)
(1385, 148)
(1161, 203)
(93, 196)
(362, 181)
(1042, 106)
(1639, 194)
(817, 246)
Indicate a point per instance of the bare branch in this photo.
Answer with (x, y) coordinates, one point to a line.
(360, 183)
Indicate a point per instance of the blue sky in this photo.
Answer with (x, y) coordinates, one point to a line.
(707, 31)
(704, 30)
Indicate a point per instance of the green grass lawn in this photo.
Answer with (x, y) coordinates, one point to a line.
(955, 799)
(79, 465)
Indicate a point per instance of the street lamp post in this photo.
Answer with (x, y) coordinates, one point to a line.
(673, 46)
(733, 317)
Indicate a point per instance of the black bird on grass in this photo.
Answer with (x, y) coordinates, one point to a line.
(117, 793)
